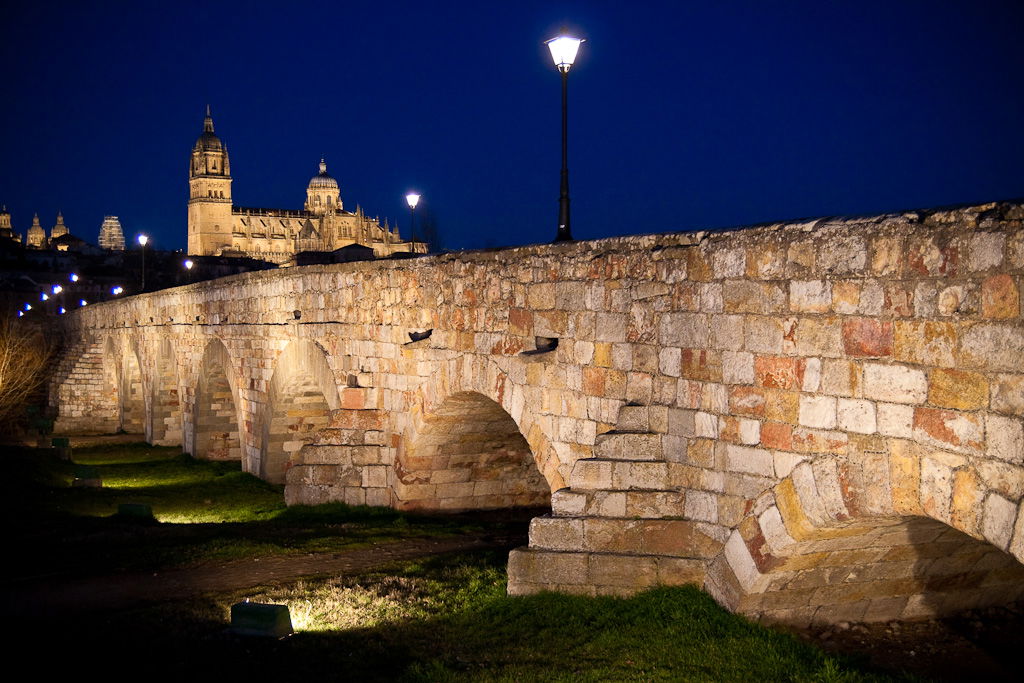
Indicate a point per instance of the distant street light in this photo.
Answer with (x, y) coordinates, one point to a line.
(143, 241)
(412, 199)
(188, 264)
(563, 51)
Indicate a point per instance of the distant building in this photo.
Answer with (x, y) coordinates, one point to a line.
(111, 235)
(217, 228)
(59, 229)
(6, 229)
(36, 238)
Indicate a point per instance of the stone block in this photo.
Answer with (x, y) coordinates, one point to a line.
(999, 517)
(810, 296)
(818, 411)
(687, 330)
(926, 342)
(635, 573)
(949, 429)
(737, 367)
(701, 506)
(727, 332)
(1000, 297)
(777, 435)
(894, 383)
(854, 415)
(993, 346)
(1008, 394)
(867, 337)
(1005, 438)
(985, 251)
(958, 389)
(779, 372)
(895, 420)
(757, 461)
(556, 533)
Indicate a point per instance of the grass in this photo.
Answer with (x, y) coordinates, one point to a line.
(446, 618)
(207, 511)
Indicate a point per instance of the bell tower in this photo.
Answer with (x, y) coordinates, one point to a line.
(209, 199)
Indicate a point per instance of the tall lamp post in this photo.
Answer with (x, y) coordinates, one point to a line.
(412, 199)
(563, 51)
(143, 241)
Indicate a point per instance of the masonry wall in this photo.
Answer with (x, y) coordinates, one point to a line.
(716, 405)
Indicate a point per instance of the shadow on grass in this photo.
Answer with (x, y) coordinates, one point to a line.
(467, 629)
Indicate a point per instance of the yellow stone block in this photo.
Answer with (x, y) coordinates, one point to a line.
(957, 389)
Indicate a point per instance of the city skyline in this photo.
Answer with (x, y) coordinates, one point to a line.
(681, 117)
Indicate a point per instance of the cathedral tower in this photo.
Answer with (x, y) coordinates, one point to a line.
(209, 202)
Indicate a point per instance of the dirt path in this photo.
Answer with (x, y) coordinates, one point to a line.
(55, 596)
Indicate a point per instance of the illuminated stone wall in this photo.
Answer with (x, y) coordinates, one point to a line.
(815, 421)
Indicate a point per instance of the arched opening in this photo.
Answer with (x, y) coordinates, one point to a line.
(468, 454)
(165, 425)
(303, 392)
(816, 554)
(133, 404)
(214, 413)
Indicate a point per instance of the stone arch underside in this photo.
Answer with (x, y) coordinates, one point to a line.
(303, 393)
(165, 423)
(468, 454)
(216, 434)
(870, 541)
(132, 395)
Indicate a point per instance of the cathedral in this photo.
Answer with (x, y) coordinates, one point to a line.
(218, 228)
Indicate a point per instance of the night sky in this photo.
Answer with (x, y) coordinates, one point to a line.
(683, 115)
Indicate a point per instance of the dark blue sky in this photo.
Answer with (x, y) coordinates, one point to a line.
(683, 115)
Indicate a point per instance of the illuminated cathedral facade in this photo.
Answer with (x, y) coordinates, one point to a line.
(218, 228)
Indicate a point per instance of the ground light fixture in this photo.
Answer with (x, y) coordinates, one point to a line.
(61, 310)
(57, 289)
(83, 302)
(412, 199)
(73, 277)
(28, 307)
(564, 48)
(44, 296)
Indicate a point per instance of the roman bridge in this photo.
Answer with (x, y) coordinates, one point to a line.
(815, 421)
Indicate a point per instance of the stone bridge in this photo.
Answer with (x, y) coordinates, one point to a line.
(815, 421)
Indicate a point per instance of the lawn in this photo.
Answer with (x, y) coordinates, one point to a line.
(445, 618)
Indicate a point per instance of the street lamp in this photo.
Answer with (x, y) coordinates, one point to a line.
(143, 241)
(563, 51)
(412, 199)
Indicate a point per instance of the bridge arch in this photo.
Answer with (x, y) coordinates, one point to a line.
(122, 378)
(872, 539)
(164, 425)
(215, 419)
(468, 453)
(303, 391)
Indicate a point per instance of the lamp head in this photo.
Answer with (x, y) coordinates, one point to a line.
(143, 240)
(412, 199)
(563, 50)
(188, 264)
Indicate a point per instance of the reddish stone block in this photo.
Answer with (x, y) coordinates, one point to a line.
(960, 430)
(899, 300)
(779, 372)
(593, 381)
(777, 435)
(867, 337)
(1000, 297)
(520, 321)
(701, 364)
(747, 401)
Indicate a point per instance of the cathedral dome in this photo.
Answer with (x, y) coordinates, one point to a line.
(323, 180)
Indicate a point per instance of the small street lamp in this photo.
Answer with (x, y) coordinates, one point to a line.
(143, 241)
(563, 51)
(412, 199)
(188, 269)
